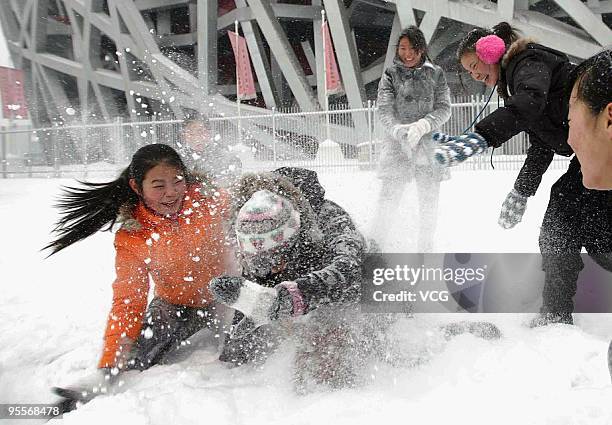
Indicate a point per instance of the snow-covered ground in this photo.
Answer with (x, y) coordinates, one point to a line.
(53, 312)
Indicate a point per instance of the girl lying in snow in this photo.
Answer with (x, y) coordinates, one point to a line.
(301, 255)
(302, 258)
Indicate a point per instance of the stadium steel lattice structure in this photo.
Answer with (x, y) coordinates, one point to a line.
(108, 58)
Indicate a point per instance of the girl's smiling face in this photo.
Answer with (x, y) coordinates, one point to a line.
(479, 70)
(590, 136)
(408, 54)
(163, 189)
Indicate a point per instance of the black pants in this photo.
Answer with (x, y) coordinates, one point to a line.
(165, 327)
(576, 217)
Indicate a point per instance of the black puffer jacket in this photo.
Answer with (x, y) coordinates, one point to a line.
(534, 79)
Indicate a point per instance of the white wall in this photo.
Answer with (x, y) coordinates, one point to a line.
(5, 59)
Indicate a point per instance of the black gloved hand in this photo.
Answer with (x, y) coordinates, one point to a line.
(226, 289)
(84, 390)
(70, 399)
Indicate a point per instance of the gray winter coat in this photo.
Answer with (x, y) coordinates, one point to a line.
(406, 95)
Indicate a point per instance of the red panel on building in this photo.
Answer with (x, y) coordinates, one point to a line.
(225, 6)
(244, 72)
(12, 95)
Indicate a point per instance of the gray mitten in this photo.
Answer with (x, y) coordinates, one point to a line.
(226, 289)
(512, 210)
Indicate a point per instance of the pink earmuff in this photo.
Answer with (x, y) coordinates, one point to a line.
(490, 49)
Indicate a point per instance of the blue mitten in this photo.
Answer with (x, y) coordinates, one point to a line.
(453, 150)
(440, 137)
(512, 210)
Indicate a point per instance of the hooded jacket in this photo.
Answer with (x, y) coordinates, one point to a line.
(181, 255)
(533, 79)
(326, 260)
(405, 95)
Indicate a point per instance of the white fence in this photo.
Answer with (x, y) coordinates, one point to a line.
(337, 140)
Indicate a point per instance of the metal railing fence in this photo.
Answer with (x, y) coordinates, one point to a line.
(337, 140)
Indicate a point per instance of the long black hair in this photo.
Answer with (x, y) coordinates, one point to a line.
(416, 38)
(503, 30)
(89, 208)
(594, 77)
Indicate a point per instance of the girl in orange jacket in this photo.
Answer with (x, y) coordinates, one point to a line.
(172, 231)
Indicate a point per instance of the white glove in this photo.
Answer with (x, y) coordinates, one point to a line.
(416, 131)
(399, 131)
(421, 126)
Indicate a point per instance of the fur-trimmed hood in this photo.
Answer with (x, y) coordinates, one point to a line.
(250, 183)
(515, 48)
(127, 220)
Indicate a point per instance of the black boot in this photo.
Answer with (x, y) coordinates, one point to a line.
(485, 330)
(545, 319)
